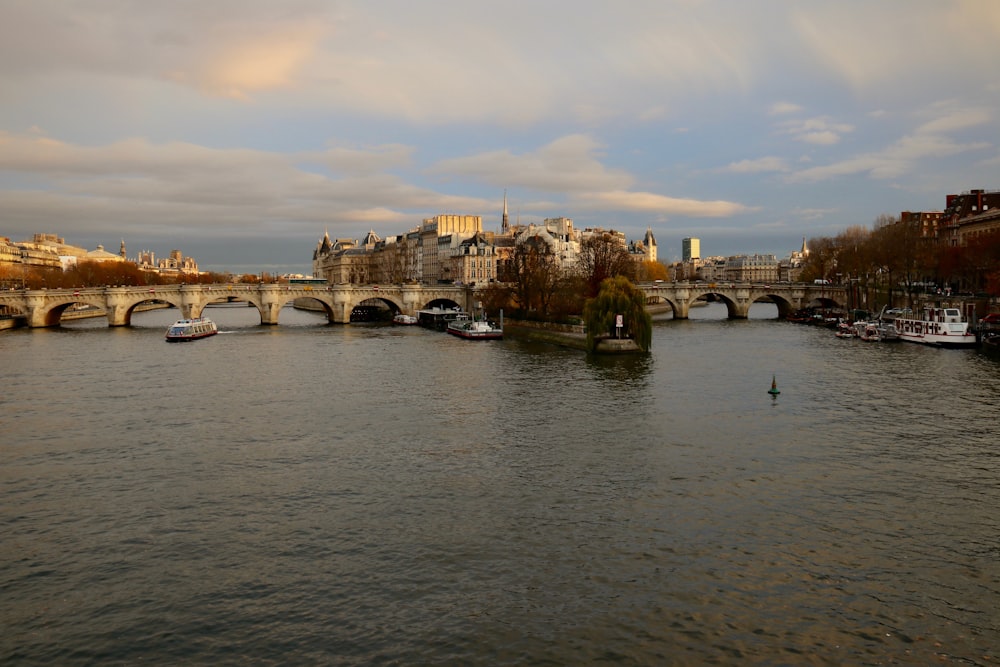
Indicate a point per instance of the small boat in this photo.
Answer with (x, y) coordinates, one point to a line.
(400, 318)
(844, 330)
(887, 332)
(473, 329)
(193, 329)
(944, 327)
(868, 331)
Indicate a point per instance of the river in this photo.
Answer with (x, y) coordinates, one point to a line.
(328, 494)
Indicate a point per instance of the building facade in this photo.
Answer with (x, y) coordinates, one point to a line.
(690, 249)
(752, 268)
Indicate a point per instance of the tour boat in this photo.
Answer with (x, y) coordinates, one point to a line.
(473, 329)
(944, 327)
(193, 329)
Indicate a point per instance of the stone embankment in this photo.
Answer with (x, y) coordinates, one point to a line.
(566, 335)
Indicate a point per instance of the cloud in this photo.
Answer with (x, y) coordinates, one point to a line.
(782, 108)
(926, 41)
(927, 142)
(187, 189)
(568, 164)
(227, 47)
(620, 200)
(240, 69)
(954, 119)
(760, 165)
(820, 130)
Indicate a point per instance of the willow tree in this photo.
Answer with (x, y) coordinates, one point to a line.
(618, 296)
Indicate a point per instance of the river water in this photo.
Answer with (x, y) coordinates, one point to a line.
(328, 494)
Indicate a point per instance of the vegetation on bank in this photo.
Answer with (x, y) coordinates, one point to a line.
(895, 255)
(100, 274)
(597, 289)
(618, 297)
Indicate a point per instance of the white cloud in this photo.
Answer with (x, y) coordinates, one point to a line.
(620, 200)
(568, 164)
(782, 108)
(927, 142)
(760, 165)
(820, 130)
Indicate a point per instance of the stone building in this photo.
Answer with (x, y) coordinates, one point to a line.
(474, 261)
(969, 215)
(752, 268)
(176, 262)
(454, 248)
(644, 250)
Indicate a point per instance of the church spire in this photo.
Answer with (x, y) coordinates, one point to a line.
(505, 225)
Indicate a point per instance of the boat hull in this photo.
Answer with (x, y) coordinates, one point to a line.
(934, 332)
(477, 335)
(472, 330)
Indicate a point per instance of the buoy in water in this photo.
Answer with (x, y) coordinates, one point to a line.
(773, 391)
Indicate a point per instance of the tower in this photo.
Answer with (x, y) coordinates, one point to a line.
(505, 224)
(691, 249)
(122, 250)
(650, 244)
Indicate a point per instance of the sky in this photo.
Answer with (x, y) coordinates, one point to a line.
(241, 131)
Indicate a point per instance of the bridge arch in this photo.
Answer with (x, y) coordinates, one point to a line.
(656, 302)
(373, 309)
(51, 313)
(442, 302)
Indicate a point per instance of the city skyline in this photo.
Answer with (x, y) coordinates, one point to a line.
(242, 131)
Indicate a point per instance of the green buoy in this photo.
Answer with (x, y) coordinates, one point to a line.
(773, 391)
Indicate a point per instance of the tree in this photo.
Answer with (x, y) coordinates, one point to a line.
(822, 259)
(650, 271)
(535, 274)
(618, 296)
(603, 256)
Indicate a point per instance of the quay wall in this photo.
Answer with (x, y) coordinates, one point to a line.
(566, 335)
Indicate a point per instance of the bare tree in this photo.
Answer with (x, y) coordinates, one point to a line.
(535, 274)
(603, 256)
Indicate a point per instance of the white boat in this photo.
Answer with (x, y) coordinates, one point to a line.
(193, 329)
(844, 330)
(867, 331)
(944, 327)
(473, 329)
(400, 318)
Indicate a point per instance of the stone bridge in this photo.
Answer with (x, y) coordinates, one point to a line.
(44, 308)
(738, 297)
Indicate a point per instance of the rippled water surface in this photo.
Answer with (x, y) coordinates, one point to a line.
(311, 494)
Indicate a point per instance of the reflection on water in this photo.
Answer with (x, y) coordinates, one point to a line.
(367, 494)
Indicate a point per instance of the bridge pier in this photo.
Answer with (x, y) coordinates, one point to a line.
(117, 309)
(36, 315)
(270, 304)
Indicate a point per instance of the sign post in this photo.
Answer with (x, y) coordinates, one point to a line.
(619, 323)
